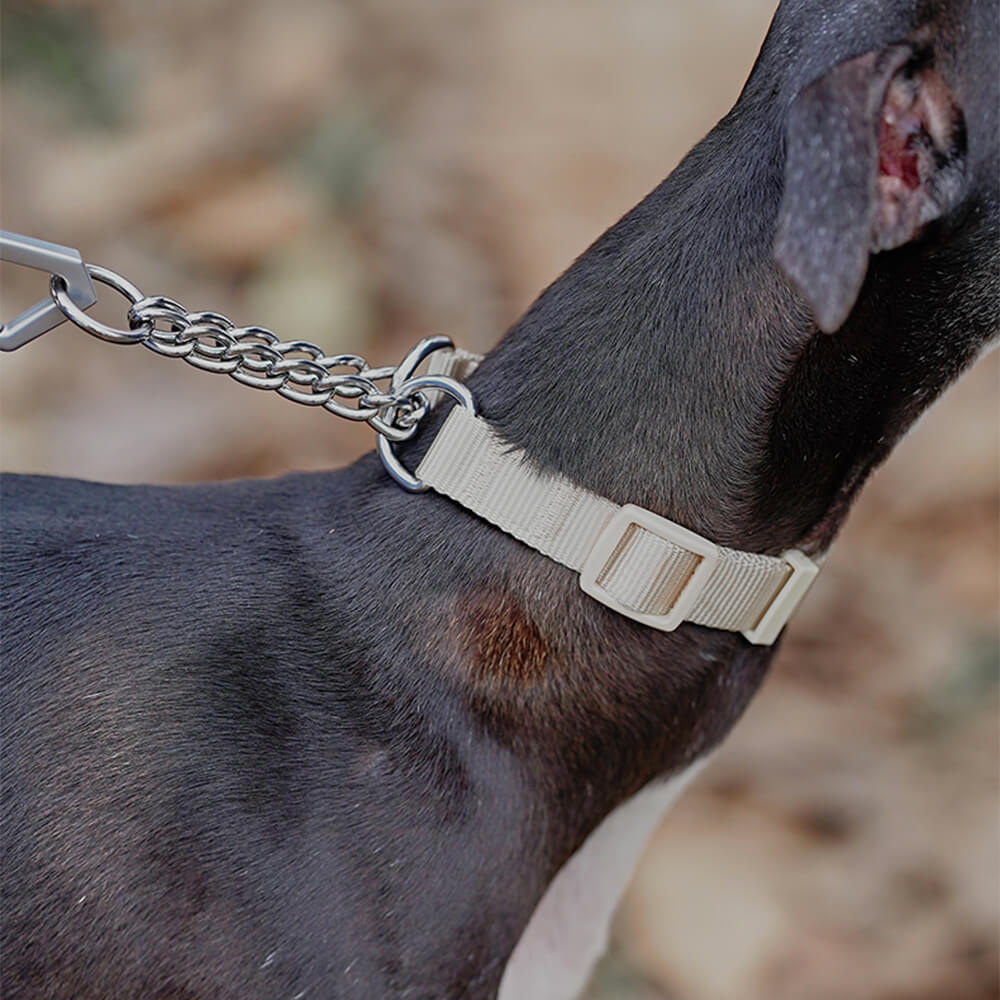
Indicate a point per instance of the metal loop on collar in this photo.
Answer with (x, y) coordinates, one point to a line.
(411, 388)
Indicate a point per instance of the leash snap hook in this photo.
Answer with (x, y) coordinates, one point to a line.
(62, 263)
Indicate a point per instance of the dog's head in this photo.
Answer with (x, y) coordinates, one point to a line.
(891, 137)
(886, 231)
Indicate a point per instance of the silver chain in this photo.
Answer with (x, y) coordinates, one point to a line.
(343, 384)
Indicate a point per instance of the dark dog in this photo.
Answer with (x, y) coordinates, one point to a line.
(320, 737)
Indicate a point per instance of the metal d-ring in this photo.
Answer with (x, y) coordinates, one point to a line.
(456, 390)
(385, 423)
(409, 364)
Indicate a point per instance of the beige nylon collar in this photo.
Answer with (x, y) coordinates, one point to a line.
(637, 563)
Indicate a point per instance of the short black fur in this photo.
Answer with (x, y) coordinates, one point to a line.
(319, 736)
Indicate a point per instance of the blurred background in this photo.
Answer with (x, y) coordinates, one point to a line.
(362, 173)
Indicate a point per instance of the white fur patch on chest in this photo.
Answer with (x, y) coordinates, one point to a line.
(568, 932)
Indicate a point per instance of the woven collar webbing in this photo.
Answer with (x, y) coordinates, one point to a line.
(637, 563)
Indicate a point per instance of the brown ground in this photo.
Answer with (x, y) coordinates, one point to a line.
(364, 172)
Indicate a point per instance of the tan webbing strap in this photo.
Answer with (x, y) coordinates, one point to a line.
(637, 563)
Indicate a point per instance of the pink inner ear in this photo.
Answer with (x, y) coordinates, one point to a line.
(917, 140)
(897, 157)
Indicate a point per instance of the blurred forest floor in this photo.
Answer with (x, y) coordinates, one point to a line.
(365, 172)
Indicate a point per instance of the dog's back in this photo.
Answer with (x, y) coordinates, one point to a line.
(142, 753)
(200, 767)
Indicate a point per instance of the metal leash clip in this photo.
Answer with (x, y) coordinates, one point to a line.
(65, 266)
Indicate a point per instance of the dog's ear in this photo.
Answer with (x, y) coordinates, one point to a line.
(874, 150)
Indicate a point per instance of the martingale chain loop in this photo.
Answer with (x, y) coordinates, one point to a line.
(392, 399)
(343, 384)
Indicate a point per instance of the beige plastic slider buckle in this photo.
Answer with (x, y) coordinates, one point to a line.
(597, 575)
(610, 546)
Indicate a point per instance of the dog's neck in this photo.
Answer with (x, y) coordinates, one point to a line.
(673, 366)
(648, 371)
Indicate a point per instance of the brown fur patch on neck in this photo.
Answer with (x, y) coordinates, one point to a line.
(506, 649)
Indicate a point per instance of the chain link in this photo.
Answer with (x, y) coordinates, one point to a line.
(343, 384)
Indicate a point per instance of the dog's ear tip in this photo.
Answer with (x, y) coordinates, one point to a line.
(830, 307)
(829, 286)
(831, 313)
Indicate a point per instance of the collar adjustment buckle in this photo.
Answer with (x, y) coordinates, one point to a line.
(635, 536)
